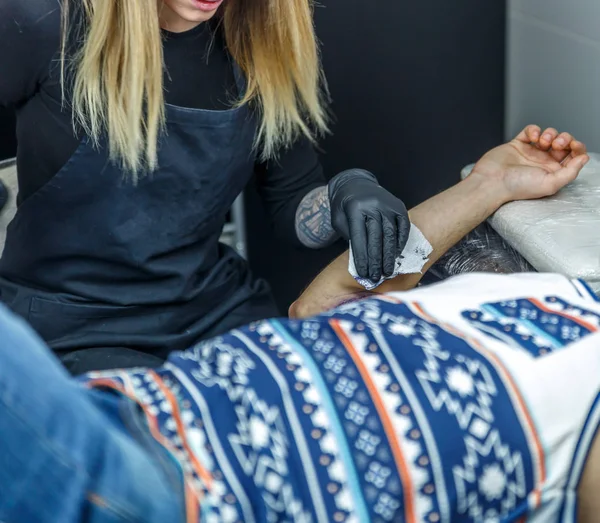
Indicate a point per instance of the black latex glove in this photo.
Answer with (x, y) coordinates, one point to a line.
(373, 219)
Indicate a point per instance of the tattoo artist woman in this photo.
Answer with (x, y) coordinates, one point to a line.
(113, 255)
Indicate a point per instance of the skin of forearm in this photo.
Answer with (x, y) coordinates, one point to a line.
(588, 500)
(447, 217)
(443, 219)
(313, 220)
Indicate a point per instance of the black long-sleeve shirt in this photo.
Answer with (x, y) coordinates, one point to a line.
(197, 75)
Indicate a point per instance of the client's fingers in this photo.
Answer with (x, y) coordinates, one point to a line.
(561, 146)
(562, 141)
(548, 136)
(577, 149)
(531, 134)
(553, 182)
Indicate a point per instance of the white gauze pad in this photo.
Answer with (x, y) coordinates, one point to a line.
(412, 260)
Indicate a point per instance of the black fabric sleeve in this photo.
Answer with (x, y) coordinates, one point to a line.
(283, 183)
(29, 37)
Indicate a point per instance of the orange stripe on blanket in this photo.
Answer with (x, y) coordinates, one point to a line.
(577, 320)
(200, 470)
(192, 506)
(192, 497)
(408, 488)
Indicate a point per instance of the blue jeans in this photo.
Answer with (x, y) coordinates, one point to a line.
(68, 454)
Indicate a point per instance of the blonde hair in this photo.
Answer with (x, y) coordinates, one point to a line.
(118, 73)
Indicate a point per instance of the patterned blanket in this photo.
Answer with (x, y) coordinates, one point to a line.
(474, 400)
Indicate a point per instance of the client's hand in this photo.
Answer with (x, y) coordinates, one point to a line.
(534, 164)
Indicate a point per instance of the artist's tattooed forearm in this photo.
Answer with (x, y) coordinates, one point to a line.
(313, 220)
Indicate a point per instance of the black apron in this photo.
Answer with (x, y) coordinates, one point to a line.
(113, 274)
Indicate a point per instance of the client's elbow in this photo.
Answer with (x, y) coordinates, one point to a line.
(297, 310)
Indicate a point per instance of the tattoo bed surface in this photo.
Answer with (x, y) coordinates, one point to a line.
(558, 234)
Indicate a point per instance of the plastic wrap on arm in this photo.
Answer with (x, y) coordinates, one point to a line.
(482, 250)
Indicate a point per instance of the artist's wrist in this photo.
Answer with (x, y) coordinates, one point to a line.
(352, 174)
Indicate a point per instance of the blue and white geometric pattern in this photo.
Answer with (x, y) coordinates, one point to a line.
(383, 410)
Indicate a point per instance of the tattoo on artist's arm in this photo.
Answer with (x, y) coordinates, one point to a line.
(313, 220)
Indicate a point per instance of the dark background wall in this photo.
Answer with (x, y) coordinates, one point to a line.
(8, 142)
(418, 92)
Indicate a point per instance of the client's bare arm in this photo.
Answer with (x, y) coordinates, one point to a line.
(528, 167)
(443, 219)
(588, 497)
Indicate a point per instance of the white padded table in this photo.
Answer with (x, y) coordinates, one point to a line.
(559, 234)
(8, 176)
